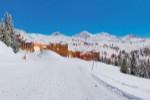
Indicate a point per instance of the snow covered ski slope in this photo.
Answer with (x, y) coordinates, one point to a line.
(54, 79)
(48, 76)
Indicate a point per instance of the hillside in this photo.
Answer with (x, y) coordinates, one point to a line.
(47, 76)
(6, 54)
(96, 41)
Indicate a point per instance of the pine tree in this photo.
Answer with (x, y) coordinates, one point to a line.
(7, 34)
(119, 59)
(148, 68)
(4, 35)
(133, 65)
(123, 68)
(9, 26)
(1, 34)
(8, 22)
(141, 69)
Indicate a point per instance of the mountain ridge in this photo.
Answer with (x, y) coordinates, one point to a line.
(101, 36)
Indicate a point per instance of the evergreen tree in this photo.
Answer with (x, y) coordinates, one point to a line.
(123, 68)
(148, 68)
(128, 66)
(1, 34)
(9, 26)
(8, 22)
(133, 65)
(7, 34)
(116, 62)
(119, 59)
(141, 69)
(4, 35)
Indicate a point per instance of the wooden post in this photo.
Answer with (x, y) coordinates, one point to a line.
(92, 65)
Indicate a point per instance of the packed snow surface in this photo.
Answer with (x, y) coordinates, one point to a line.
(49, 55)
(48, 76)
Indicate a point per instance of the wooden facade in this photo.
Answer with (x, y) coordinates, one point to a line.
(90, 56)
(37, 47)
(27, 46)
(59, 48)
(76, 54)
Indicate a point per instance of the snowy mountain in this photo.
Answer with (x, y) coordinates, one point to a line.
(57, 34)
(83, 34)
(134, 42)
(55, 37)
(106, 37)
(131, 38)
(103, 36)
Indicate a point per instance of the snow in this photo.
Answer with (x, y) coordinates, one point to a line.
(48, 76)
(57, 34)
(95, 41)
(49, 55)
(83, 34)
(129, 85)
(6, 53)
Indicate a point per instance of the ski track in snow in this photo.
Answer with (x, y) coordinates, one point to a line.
(114, 89)
(52, 80)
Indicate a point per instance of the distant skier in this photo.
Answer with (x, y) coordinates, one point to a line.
(24, 57)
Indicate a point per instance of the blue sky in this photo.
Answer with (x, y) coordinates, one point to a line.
(118, 17)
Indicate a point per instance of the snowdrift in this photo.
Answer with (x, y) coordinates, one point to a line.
(111, 77)
(47, 75)
(47, 54)
(6, 53)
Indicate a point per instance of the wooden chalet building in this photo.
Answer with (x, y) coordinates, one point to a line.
(90, 56)
(59, 48)
(24, 45)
